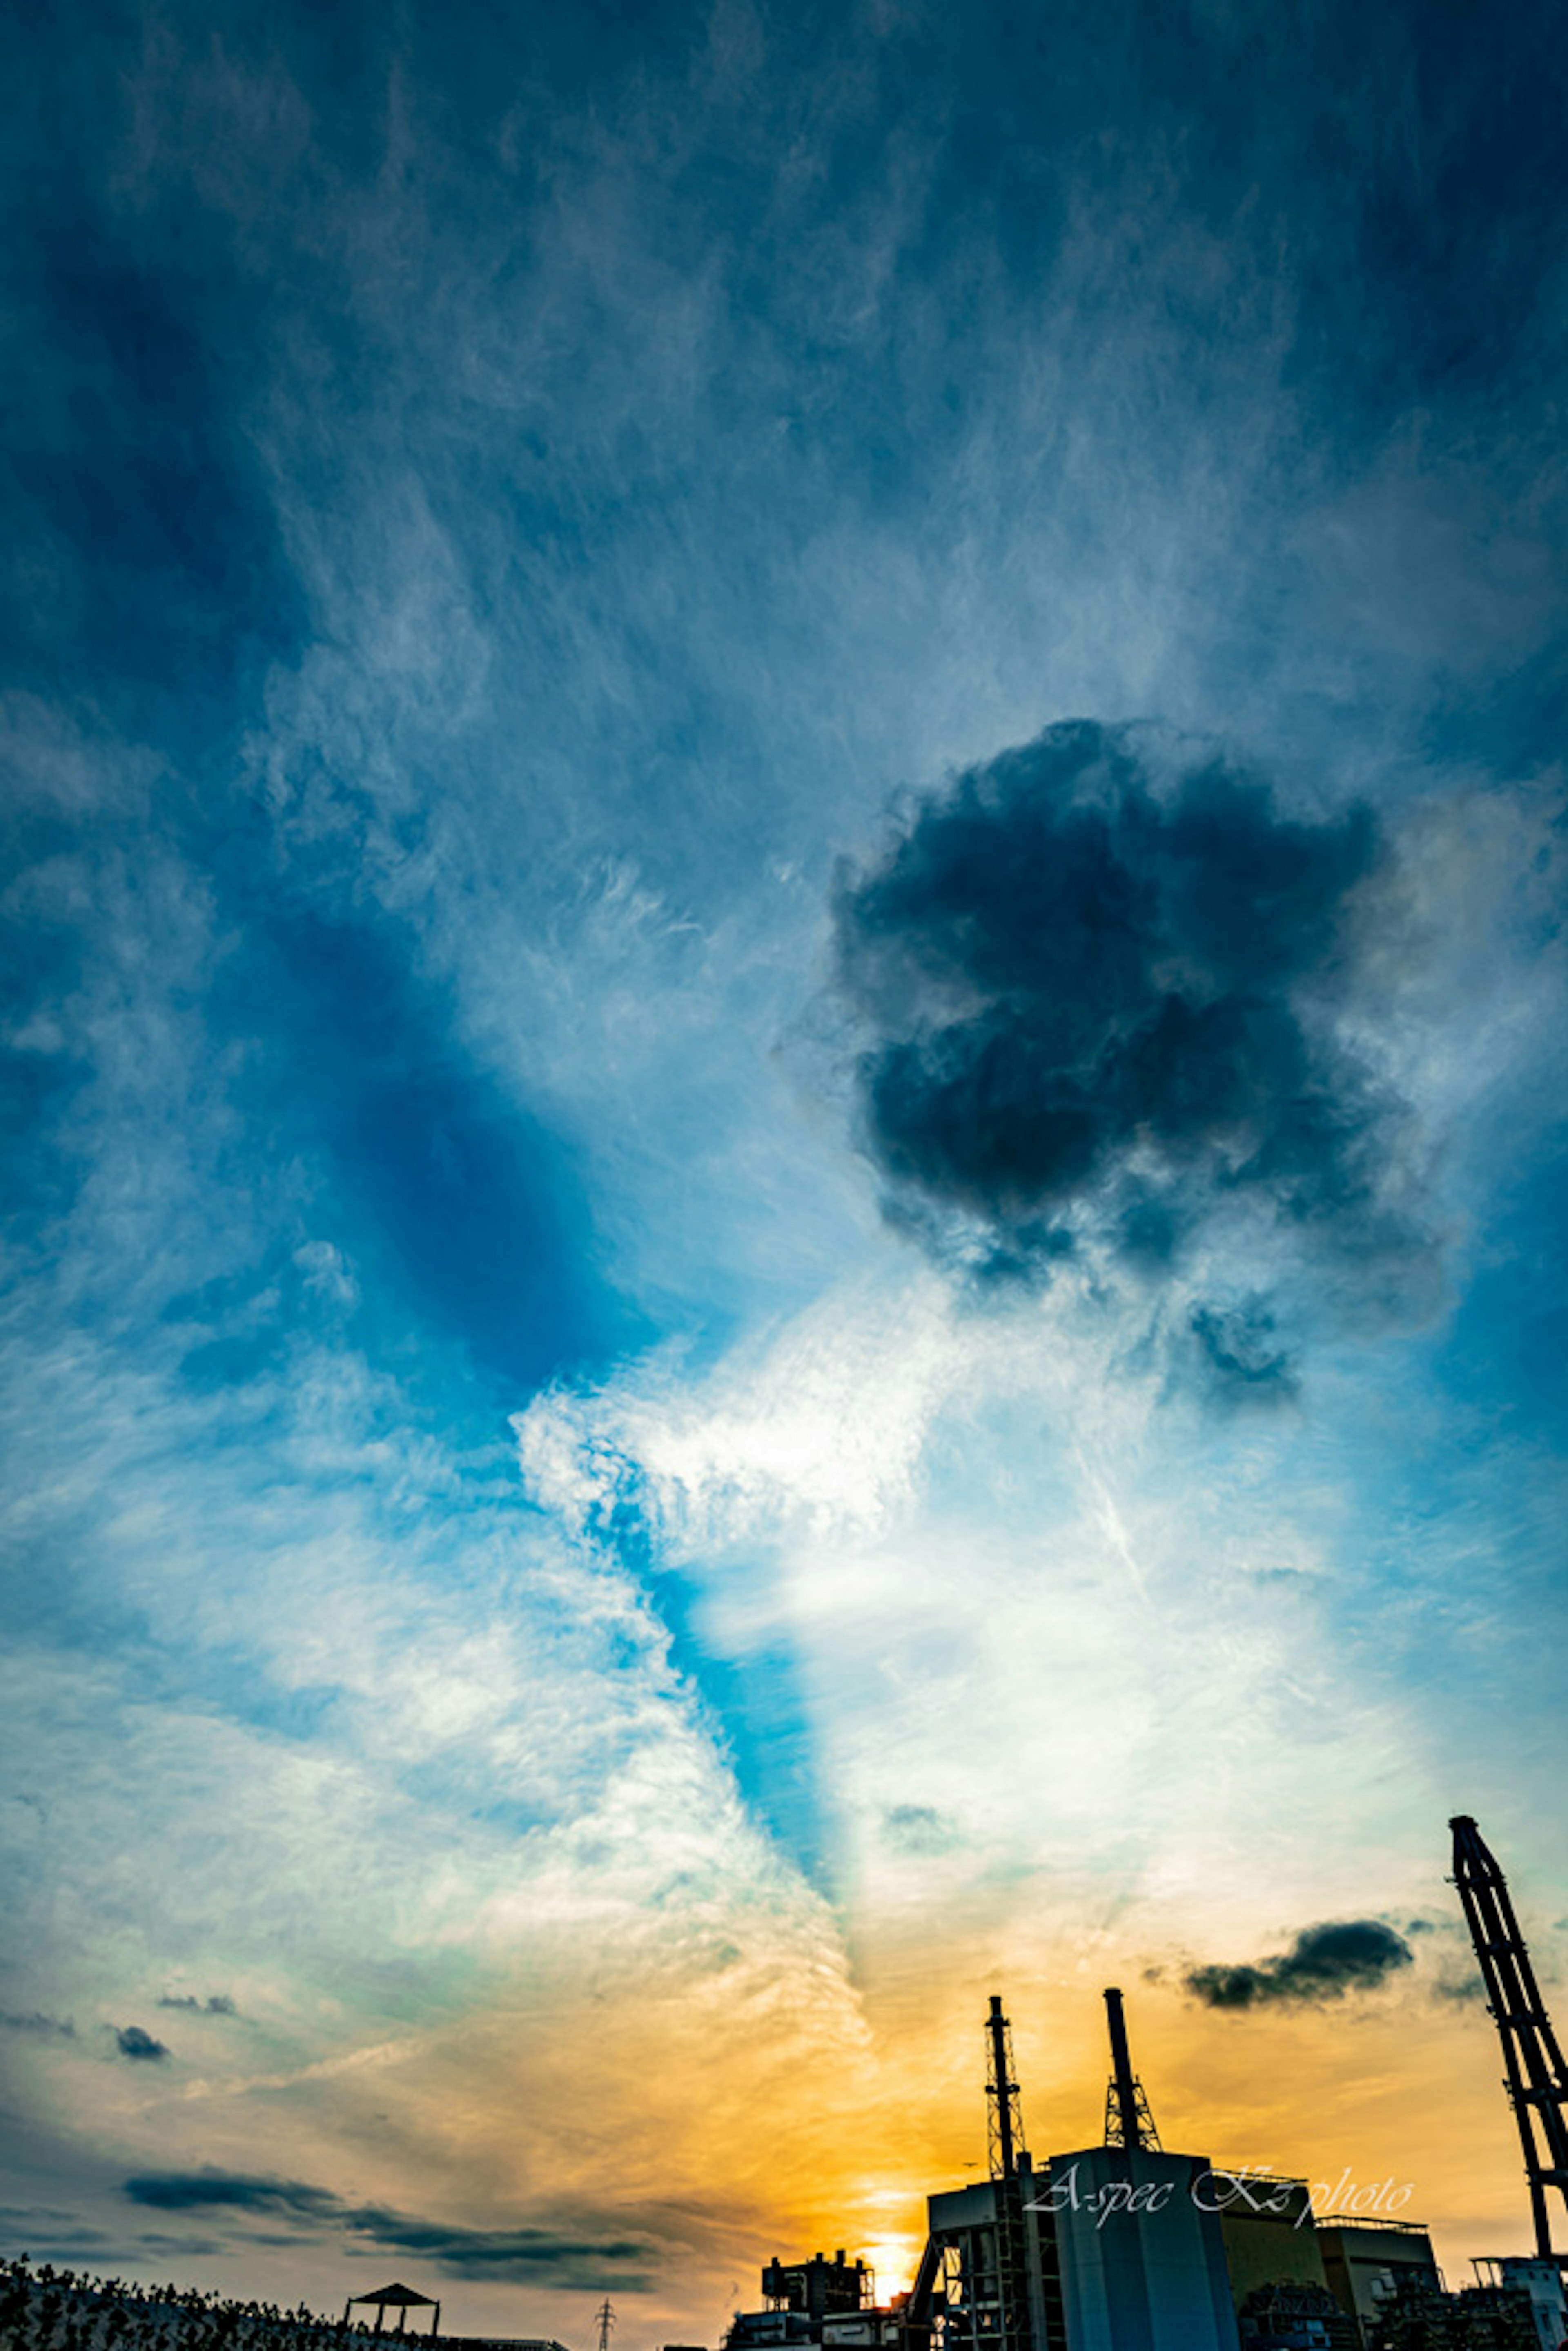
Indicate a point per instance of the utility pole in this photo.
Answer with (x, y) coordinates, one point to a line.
(605, 2319)
(1536, 2080)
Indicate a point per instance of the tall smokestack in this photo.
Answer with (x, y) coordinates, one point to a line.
(1124, 2089)
(1128, 2122)
(1003, 2091)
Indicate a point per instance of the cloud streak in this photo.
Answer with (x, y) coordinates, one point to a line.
(524, 2255)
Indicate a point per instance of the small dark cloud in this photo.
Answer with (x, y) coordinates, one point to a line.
(1322, 1964)
(60, 2027)
(217, 2003)
(1239, 1354)
(1103, 992)
(519, 2254)
(132, 2040)
(920, 1830)
(1464, 1989)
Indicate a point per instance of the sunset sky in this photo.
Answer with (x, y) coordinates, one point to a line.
(784, 1093)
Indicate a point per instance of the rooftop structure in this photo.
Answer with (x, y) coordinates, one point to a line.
(401, 2298)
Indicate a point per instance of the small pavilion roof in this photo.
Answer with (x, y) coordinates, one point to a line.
(401, 2296)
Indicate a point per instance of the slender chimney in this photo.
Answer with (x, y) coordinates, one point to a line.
(1124, 2089)
(1002, 2089)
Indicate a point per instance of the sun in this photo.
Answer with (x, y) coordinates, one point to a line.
(894, 2262)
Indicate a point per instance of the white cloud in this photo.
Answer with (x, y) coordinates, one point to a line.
(1094, 1634)
(822, 1420)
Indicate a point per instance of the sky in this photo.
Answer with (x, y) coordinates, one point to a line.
(784, 1073)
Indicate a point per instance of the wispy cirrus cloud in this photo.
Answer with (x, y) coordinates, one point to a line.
(484, 544)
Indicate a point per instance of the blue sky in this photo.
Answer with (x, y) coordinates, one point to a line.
(783, 1063)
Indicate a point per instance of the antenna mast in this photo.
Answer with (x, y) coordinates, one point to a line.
(1537, 2081)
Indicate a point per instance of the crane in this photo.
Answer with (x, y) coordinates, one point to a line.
(1537, 2080)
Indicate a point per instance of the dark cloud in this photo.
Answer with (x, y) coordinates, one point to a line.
(132, 2041)
(217, 2003)
(1239, 1353)
(1104, 989)
(38, 2022)
(1322, 1964)
(523, 2254)
(519, 2254)
(192, 2191)
(232, 2192)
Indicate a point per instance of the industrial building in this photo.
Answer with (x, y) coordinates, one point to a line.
(1125, 2246)
(1268, 2229)
(1366, 2262)
(1113, 2246)
(1540, 2282)
(819, 2301)
(1141, 2259)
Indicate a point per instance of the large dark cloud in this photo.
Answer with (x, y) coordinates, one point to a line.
(1105, 987)
(1322, 1964)
(521, 2254)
